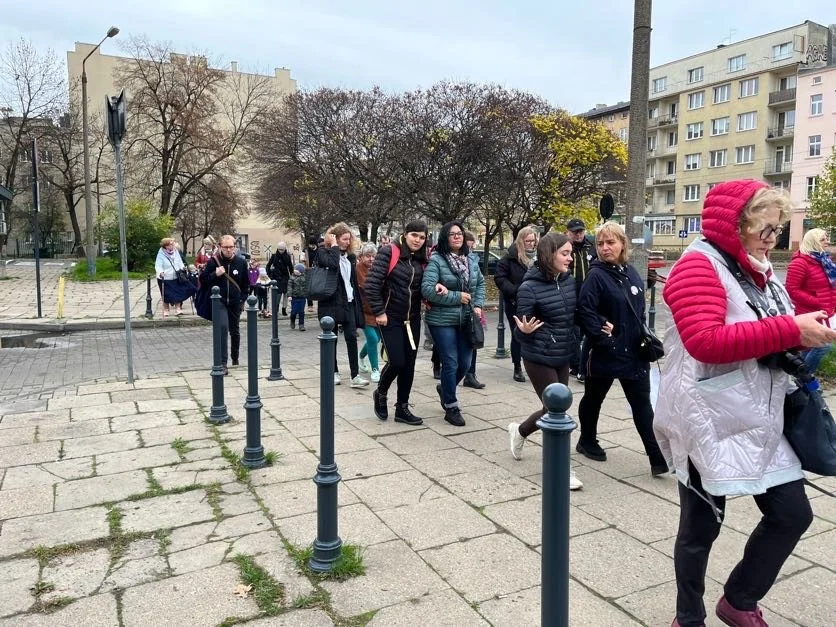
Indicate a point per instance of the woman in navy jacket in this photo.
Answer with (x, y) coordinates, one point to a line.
(613, 333)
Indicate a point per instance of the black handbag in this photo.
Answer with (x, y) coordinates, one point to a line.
(182, 276)
(810, 430)
(322, 283)
(475, 330)
(650, 347)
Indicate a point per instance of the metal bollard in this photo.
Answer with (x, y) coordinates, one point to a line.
(149, 312)
(275, 342)
(501, 353)
(327, 546)
(651, 311)
(217, 414)
(253, 451)
(556, 427)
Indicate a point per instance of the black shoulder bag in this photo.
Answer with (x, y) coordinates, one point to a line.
(650, 347)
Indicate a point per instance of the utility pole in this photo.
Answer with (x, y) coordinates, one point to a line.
(637, 142)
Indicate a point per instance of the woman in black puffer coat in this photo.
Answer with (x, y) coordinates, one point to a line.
(545, 329)
(510, 272)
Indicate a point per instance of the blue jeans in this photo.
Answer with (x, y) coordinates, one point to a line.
(455, 352)
(814, 356)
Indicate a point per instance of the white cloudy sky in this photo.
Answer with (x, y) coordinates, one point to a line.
(573, 53)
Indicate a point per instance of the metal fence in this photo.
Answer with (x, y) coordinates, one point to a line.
(58, 246)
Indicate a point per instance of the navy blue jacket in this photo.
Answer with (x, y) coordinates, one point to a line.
(553, 302)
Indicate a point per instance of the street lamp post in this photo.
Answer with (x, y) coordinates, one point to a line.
(88, 202)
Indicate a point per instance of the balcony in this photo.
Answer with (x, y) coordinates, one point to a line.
(667, 120)
(779, 133)
(782, 96)
(778, 167)
(665, 179)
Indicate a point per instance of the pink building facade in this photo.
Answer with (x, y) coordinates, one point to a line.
(814, 139)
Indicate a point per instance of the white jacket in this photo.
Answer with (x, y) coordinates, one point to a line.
(167, 266)
(728, 418)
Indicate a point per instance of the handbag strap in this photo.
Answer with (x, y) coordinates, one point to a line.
(761, 305)
(629, 304)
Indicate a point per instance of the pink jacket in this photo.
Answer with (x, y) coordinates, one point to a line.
(808, 285)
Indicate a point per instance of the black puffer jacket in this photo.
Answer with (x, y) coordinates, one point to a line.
(280, 268)
(553, 302)
(509, 275)
(603, 298)
(233, 284)
(338, 306)
(397, 294)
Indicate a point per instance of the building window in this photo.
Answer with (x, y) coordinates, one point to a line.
(812, 181)
(660, 84)
(670, 168)
(651, 143)
(692, 161)
(670, 197)
(624, 115)
(817, 80)
(737, 63)
(749, 87)
(717, 158)
(673, 138)
(695, 130)
(693, 224)
(720, 126)
(691, 193)
(696, 100)
(710, 186)
(622, 134)
(722, 93)
(815, 145)
(745, 154)
(650, 171)
(695, 75)
(747, 121)
(787, 82)
(782, 51)
(653, 113)
(816, 104)
(781, 185)
(663, 227)
(611, 118)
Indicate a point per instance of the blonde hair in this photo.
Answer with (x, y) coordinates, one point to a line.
(811, 242)
(166, 241)
(615, 229)
(525, 262)
(751, 218)
(340, 229)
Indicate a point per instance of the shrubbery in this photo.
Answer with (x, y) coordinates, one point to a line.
(144, 228)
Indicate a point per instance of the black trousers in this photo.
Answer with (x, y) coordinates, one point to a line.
(786, 516)
(637, 392)
(401, 364)
(541, 376)
(576, 362)
(516, 349)
(231, 324)
(349, 326)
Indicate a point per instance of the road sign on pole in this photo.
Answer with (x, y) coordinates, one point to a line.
(683, 234)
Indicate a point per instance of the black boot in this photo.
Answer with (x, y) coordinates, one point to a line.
(518, 375)
(380, 409)
(437, 372)
(470, 381)
(453, 415)
(402, 414)
(284, 311)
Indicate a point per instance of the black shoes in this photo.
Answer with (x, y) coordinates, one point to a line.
(226, 370)
(453, 415)
(234, 362)
(592, 450)
(519, 377)
(404, 415)
(284, 311)
(470, 381)
(292, 323)
(380, 409)
(301, 327)
(436, 372)
(440, 396)
(659, 469)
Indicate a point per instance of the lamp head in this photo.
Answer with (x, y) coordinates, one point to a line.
(112, 31)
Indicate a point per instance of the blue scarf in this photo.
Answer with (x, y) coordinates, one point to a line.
(827, 265)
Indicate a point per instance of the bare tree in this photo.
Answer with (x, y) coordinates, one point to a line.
(188, 119)
(210, 209)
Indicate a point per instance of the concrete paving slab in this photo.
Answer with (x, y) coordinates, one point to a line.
(67, 527)
(153, 436)
(133, 422)
(73, 430)
(76, 575)
(77, 468)
(482, 488)
(282, 568)
(25, 454)
(346, 442)
(801, 595)
(198, 558)
(818, 549)
(102, 411)
(17, 577)
(623, 513)
(440, 609)
(26, 419)
(299, 618)
(26, 501)
(369, 463)
(437, 464)
(147, 457)
(395, 489)
(71, 402)
(108, 488)
(415, 441)
(245, 524)
(356, 525)
(99, 444)
(96, 611)
(165, 512)
(290, 467)
(18, 436)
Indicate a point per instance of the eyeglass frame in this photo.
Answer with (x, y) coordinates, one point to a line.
(769, 230)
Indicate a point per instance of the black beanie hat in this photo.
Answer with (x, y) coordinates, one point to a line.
(415, 226)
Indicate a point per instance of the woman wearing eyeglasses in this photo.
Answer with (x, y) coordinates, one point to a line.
(455, 288)
(811, 283)
(173, 290)
(720, 414)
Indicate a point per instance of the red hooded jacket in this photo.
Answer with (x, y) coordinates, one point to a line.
(808, 285)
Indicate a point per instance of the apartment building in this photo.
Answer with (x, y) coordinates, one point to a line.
(815, 139)
(253, 234)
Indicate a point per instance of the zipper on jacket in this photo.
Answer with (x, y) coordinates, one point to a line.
(409, 292)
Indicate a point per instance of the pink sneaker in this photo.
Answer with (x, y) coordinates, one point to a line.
(739, 618)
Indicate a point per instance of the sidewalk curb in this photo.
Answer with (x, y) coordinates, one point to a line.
(97, 324)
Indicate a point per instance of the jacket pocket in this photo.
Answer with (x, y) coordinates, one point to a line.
(727, 403)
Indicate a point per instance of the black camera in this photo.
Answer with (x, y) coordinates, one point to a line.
(790, 362)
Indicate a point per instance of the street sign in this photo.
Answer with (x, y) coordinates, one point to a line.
(683, 234)
(607, 206)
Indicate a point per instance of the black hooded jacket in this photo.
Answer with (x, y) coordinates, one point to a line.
(397, 294)
(509, 275)
(583, 254)
(553, 302)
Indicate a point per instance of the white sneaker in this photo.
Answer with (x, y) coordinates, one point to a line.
(574, 482)
(337, 378)
(364, 365)
(516, 440)
(375, 375)
(359, 382)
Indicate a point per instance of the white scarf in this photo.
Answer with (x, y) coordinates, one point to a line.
(345, 271)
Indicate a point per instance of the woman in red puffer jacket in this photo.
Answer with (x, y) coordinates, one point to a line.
(811, 283)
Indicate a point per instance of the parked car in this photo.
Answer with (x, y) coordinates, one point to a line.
(493, 259)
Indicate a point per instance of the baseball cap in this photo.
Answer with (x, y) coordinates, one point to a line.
(576, 224)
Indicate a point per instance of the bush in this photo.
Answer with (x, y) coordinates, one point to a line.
(144, 228)
(827, 367)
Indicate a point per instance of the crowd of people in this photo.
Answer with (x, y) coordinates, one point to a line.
(576, 307)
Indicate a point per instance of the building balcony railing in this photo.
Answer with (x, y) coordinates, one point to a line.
(780, 132)
(781, 96)
(778, 167)
(665, 179)
(662, 120)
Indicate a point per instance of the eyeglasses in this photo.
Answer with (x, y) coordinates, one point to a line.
(530, 241)
(455, 234)
(768, 231)
(228, 247)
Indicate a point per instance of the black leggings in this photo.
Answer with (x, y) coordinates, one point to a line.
(516, 349)
(786, 516)
(541, 377)
(401, 363)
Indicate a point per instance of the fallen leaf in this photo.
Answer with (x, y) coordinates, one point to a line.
(242, 590)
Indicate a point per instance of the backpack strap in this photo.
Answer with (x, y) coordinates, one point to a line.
(394, 258)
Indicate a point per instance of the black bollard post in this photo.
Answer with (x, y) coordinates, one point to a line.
(253, 451)
(217, 414)
(651, 311)
(149, 313)
(501, 353)
(556, 427)
(275, 342)
(327, 546)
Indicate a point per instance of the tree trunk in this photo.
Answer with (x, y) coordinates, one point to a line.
(78, 243)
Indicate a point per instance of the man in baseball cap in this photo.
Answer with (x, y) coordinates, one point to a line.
(583, 252)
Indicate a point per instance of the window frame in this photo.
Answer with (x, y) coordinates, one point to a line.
(814, 144)
(695, 187)
(663, 80)
(694, 95)
(748, 147)
(744, 116)
(720, 151)
(696, 74)
(728, 126)
(749, 81)
(781, 56)
(737, 63)
(816, 104)
(691, 222)
(692, 161)
(717, 90)
(698, 126)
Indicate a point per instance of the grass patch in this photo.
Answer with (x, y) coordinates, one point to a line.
(42, 587)
(348, 565)
(182, 447)
(242, 473)
(107, 269)
(361, 620)
(271, 457)
(267, 592)
(114, 520)
(53, 604)
(827, 367)
(213, 497)
(320, 598)
(163, 541)
(157, 490)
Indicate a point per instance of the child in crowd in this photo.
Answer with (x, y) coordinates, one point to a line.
(297, 290)
(262, 289)
(252, 274)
